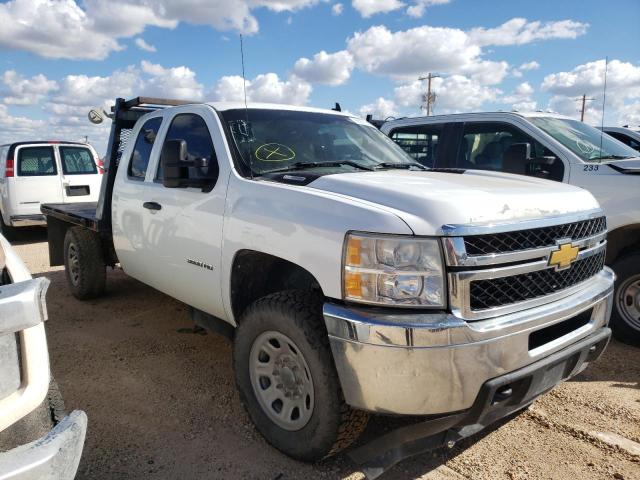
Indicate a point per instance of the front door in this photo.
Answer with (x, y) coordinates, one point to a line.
(183, 226)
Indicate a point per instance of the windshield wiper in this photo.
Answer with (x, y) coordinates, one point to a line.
(305, 165)
(405, 166)
(612, 157)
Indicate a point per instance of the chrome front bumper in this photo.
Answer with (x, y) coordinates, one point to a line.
(436, 363)
(53, 457)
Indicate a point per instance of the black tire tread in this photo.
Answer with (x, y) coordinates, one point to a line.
(92, 266)
(307, 305)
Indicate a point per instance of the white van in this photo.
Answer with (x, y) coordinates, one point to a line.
(32, 173)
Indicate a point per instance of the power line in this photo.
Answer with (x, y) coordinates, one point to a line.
(430, 97)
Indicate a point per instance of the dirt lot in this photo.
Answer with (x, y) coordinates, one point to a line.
(162, 404)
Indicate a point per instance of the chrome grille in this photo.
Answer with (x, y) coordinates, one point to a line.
(532, 238)
(497, 292)
(494, 270)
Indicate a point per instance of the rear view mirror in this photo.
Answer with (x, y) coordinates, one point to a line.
(174, 164)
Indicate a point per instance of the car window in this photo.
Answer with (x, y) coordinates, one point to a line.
(36, 161)
(139, 162)
(487, 146)
(193, 129)
(587, 142)
(77, 161)
(626, 140)
(420, 142)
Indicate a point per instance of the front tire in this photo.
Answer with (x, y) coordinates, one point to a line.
(625, 316)
(84, 263)
(287, 380)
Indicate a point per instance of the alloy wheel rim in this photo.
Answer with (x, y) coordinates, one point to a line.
(281, 380)
(628, 301)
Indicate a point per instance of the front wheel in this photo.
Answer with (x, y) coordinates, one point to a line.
(84, 263)
(286, 377)
(625, 317)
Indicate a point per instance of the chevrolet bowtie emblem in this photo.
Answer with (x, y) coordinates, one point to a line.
(564, 256)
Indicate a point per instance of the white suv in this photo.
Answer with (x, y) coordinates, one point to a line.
(32, 173)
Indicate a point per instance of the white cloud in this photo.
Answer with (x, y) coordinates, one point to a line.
(381, 108)
(337, 9)
(416, 8)
(519, 31)
(521, 98)
(142, 45)
(406, 54)
(18, 90)
(454, 94)
(328, 68)
(412, 52)
(420, 6)
(91, 29)
(525, 67)
(175, 82)
(623, 91)
(366, 8)
(263, 88)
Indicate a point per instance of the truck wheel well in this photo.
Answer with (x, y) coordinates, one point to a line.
(622, 240)
(257, 274)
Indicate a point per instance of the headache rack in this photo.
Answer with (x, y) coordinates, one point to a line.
(97, 216)
(124, 115)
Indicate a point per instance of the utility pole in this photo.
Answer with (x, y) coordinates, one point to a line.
(584, 101)
(429, 98)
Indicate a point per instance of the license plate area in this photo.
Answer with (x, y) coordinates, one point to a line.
(549, 334)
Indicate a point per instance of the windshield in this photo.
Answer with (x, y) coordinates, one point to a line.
(584, 140)
(282, 140)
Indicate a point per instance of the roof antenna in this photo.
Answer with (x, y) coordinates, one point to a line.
(246, 108)
(604, 98)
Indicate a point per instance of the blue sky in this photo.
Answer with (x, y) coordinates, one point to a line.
(59, 57)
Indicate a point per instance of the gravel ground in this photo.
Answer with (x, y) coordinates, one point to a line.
(162, 404)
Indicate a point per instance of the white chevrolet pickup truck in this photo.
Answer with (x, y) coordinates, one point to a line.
(554, 147)
(351, 279)
(37, 441)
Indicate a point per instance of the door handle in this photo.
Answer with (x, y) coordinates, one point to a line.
(152, 206)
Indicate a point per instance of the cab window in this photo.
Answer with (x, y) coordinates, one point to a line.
(77, 161)
(420, 142)
(193, 130)
(36, 162)
(500, 147)
(139, 162)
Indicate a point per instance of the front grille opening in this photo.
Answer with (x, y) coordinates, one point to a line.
(549, 334)
(497, 292)
(533, 237)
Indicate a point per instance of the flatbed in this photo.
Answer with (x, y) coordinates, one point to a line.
(83, 214)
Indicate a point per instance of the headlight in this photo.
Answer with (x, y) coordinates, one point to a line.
(391, 270)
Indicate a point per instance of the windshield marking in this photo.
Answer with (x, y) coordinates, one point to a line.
(268, 150)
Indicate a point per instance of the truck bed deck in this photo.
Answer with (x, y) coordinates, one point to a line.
(81, 213)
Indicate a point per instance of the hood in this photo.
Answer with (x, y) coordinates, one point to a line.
(428, 200)
(629, 166)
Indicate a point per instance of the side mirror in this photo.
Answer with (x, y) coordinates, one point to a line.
(516, 158)
(175, 170)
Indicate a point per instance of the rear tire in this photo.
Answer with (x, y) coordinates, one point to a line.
(84, 263)
(305, 373)
(625, 316)
(7, 231)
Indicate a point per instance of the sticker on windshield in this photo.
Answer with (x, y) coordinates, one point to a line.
(586, 148)
(274, 152)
